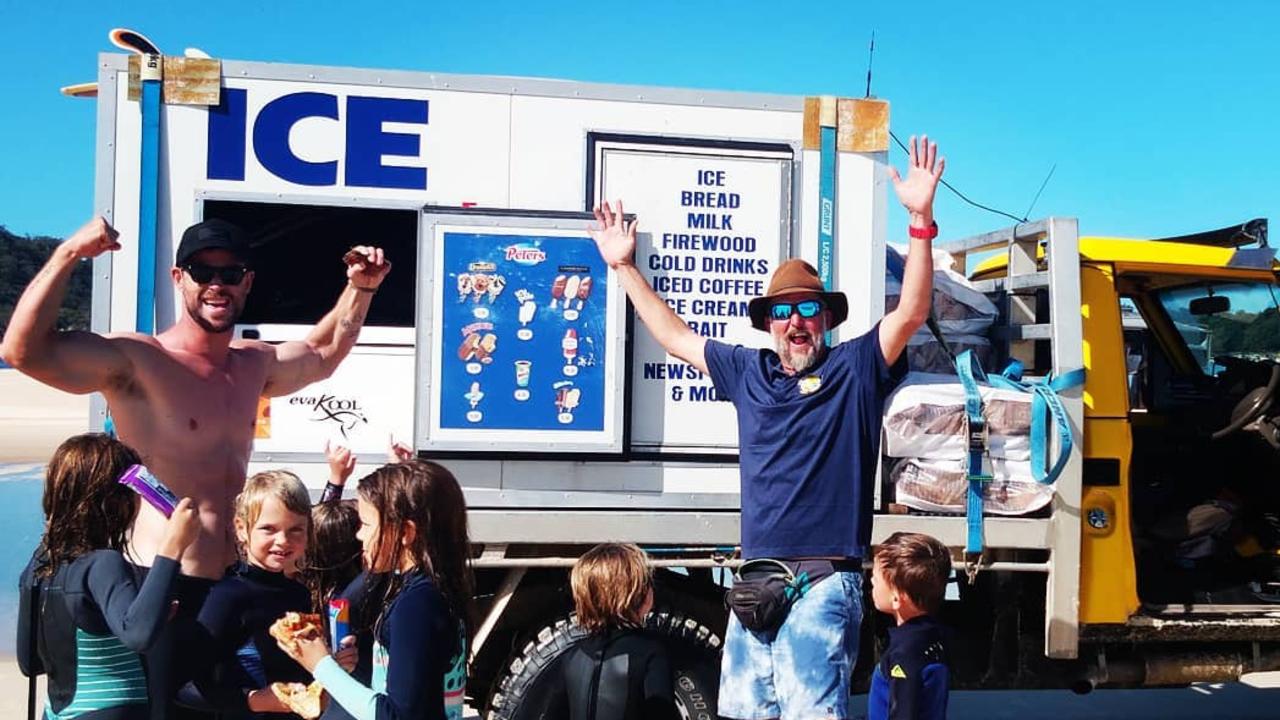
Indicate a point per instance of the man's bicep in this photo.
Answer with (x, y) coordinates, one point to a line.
(82, 362)
(291, 366)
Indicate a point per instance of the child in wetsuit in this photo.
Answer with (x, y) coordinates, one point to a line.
(908, 581)
(613, 593)
(333, 559)
(413, 528)
(333, 569)
(92, 615)
(272, 525)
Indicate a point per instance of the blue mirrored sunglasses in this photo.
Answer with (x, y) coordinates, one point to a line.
(806, 308)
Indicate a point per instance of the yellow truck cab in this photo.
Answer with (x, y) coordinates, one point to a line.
(1179, 499)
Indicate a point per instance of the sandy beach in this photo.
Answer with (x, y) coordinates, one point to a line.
(34, 418)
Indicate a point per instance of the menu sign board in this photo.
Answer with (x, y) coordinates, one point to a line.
(525, 338)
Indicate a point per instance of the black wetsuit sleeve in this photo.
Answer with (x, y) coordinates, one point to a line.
(28, 602)
(659, 697)
(331, 493)
(904, 696)
(219, 628)
(134, 614)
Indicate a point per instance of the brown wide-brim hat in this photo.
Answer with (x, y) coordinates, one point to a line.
(796, 276)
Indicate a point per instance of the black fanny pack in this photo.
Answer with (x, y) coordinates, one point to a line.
(764, 589)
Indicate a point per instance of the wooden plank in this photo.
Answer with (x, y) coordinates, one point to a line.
(845, 126)
(812, 132)
(863, 125)
(192, 81)
(135, 78)
(827, 111)
(187, 81)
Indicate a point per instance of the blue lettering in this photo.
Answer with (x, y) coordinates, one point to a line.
(710, 221)
(703, 393)
(670, 371)
(711, 177)
(271, 137)
(708, 328)
(706, 199)
(367, 143)
(225, 160)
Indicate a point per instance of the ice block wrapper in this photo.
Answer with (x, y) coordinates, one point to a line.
(339, 621)
(140, 480)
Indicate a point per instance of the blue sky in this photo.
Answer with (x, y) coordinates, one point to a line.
(1158, 116)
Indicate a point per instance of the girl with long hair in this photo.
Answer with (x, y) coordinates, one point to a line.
(413, 530)
(92, 616)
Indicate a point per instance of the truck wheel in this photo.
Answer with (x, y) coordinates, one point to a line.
(522, 691)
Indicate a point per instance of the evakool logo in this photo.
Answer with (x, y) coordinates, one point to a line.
(345, 412)
(525, 254)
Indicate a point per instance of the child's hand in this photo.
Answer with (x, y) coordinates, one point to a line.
(347, 655)
(308, 650)
(265, 701)
(398, 452)
(341, 463)
(180, 530)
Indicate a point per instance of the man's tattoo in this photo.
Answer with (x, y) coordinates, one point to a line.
(352, 323)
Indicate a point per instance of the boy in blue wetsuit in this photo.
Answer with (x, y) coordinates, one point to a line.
(908, 582)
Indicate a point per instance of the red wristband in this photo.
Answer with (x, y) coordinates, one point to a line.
(928, 233)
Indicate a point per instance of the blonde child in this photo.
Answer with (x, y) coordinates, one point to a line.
(612, 587)
(273, 527)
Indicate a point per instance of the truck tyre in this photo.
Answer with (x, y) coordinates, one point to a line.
(521, 693)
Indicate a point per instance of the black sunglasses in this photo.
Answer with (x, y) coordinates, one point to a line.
(227, 274)
(806, 308)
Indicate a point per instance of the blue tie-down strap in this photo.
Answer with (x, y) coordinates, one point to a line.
(1044, 398)
(970, 373)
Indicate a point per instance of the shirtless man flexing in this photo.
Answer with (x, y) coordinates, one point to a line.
(187, 398)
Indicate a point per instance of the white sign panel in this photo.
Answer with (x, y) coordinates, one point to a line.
(352, 141)
(365, 402)
(713, 224)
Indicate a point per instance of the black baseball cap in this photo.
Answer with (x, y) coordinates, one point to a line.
(213, 235)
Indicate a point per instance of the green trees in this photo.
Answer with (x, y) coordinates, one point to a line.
(20, 259)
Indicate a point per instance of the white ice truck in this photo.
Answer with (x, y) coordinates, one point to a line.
(500, 344)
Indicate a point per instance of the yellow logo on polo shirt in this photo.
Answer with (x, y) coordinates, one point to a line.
(810, 384)
(898, 672)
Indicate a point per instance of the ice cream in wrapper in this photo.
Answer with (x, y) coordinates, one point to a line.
(339, 621)
(141, 481)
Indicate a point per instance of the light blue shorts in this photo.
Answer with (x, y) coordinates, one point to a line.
(802, 669)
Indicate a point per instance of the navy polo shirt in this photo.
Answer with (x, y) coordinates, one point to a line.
(807, 445)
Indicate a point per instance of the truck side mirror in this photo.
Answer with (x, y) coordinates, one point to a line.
(1211, 305)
